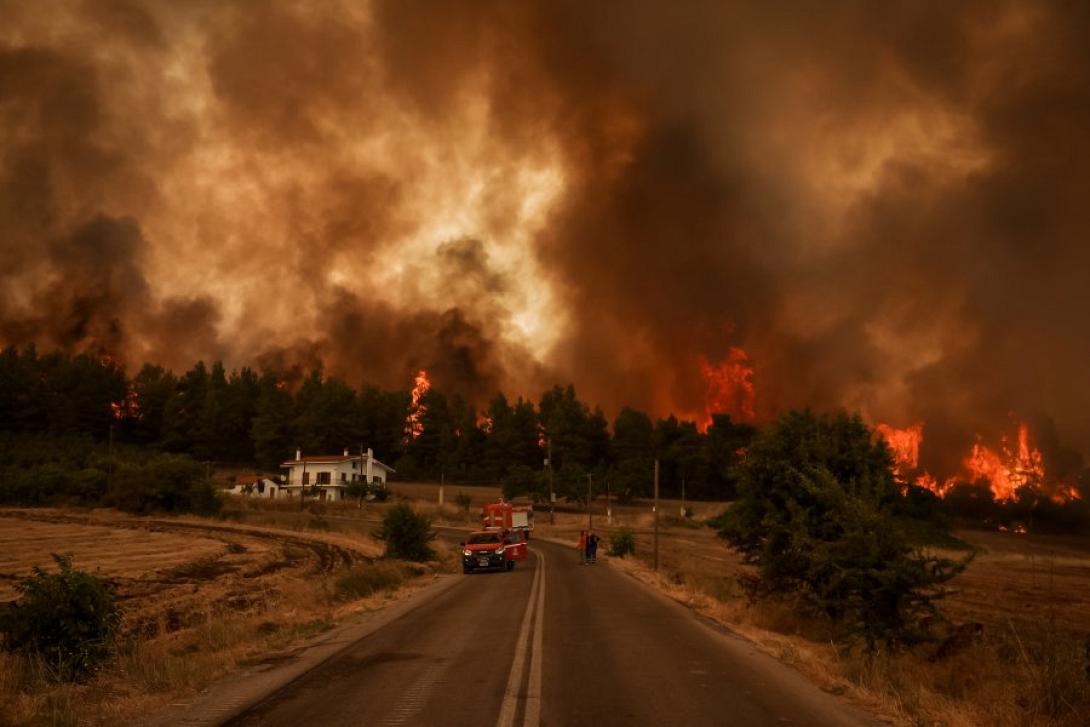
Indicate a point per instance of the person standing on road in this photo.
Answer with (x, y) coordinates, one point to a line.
(592, 548)
(582, 547)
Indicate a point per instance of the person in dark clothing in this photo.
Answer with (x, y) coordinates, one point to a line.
(592, 548)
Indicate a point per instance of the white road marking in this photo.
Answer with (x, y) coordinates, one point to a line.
(522, 646)
(532, 717)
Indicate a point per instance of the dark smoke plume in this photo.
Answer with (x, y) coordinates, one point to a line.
(884, 205)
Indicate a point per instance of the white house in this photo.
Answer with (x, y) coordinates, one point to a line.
(327, 477)
(257, 487)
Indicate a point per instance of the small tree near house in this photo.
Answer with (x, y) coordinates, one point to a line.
(407, 534)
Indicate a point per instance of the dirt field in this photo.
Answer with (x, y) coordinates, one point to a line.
(172, 573)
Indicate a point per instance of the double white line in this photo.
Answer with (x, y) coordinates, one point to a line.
(535, 611)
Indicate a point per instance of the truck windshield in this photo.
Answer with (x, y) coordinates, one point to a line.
(483, 538)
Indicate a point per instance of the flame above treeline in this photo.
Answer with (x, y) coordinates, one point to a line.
(1014, 464)
(414, 425)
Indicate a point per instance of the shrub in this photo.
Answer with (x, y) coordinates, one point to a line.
(367, 580)
(463, 501)
(68, 619)
(406, 534)
(167, 483)
(622, 543)
(819, 514)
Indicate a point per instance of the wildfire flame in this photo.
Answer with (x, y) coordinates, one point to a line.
(421, 386)
(904, 444)
(127, 408)
(1004, 470)
(729, 386)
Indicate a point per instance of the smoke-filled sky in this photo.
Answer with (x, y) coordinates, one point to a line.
(884, 205)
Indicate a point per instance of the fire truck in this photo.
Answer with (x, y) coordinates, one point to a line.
(504, 515)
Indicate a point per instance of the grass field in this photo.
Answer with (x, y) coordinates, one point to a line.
(199, 598)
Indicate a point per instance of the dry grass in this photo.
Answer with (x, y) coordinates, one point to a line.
(1030, 594)
(1028, 667)
(200, 598)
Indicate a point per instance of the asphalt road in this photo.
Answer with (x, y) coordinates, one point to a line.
(552, 643)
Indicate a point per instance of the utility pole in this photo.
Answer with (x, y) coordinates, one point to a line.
(302, 484)
(590, 515)
(656, 511)
(683, 497)
(552, 495)
(609, 505)
(110, 469)
(361, 482)
(442, 484)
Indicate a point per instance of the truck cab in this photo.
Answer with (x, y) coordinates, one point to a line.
(492, 549)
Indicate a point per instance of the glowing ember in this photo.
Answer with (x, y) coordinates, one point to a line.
(729, 386)
(127, 408)
(421, 386)
(1064, 493)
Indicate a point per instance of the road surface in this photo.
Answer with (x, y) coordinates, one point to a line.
(552, 643)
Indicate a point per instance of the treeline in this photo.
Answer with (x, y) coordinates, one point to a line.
(247, 417)
(86, 418)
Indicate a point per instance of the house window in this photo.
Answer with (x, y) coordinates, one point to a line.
(323, 478)
(344, 477)
(306, 478)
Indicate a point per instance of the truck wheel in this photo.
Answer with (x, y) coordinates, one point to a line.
(465, 570)
(510, 565)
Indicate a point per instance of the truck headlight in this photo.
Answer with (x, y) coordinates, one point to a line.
(499, 551)
(467, 553)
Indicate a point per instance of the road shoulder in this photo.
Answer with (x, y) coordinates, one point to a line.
(243, 690)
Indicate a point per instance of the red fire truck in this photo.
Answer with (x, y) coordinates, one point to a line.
(504, 515)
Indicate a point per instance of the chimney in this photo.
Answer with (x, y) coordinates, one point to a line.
(346, 451)
(298, 454)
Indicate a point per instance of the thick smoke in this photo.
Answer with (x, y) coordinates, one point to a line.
(883, 205)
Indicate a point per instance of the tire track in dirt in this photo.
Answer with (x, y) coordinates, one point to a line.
(254, 565)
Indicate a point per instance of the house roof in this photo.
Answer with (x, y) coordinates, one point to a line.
(333, 459)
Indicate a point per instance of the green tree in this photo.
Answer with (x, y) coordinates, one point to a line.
(407, 534)
(817, 515)
(183, 413)
(726, 445)
(382, 421)
(270, 429)
(152, 387)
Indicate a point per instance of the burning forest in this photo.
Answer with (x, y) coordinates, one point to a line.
(734, 209)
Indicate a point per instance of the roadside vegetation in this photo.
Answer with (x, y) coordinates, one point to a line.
(78, 647)
(822, 518)
(406, 534)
